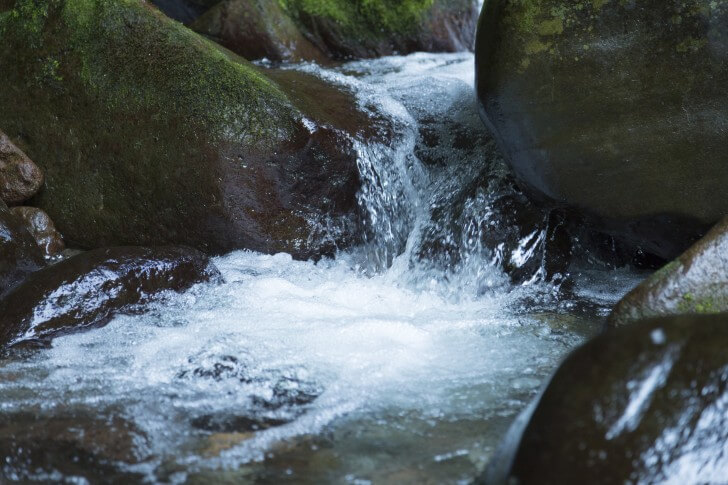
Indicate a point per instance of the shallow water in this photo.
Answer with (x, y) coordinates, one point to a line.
(379, 366)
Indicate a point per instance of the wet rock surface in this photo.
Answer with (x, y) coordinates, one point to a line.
(44, 449)
(614, 108)
(641, 404)
(340, 29)
(185, 11)
(20, 178)
(19, 254)
(696, 282)
(42, 229)
(254, 170)
(88, 289)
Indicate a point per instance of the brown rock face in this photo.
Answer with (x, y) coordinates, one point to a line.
(19, 254)
(696, 282)
(646, 403)
(88, 289)
(42, 229)
(20, 178)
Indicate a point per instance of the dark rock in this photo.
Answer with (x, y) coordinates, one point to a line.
(257, 29)
(76, 444)
(42, 229)
(89, 289)
(20, 178)
(19, 253)
(175, 140)
(697, 282)
(185, 11)
(641, 404)
(615, 108)
(340, 29)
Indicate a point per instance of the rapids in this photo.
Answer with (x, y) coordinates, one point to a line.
(389, 364)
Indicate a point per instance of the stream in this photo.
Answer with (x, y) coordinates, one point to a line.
(403, 360)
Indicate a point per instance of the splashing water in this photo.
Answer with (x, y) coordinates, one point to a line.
(402, 361)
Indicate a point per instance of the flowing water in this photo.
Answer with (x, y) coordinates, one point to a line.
(403, 360)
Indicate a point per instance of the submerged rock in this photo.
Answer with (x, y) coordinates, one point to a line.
(697, 282)
(175, 140)
(340, 29)
(90, 288)
(42, 229)
(641, 404)
(20, 178)
(615, 108)
(19, 254)
(78, 444)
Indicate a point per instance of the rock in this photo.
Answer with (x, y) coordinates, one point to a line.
(645, 403)
(38, 448)
(42, 229)
(87, 290)
(185, 11)
(340, 29)
(696, 282)
(615, 108)
(176, 140)
(257, 29)
(19, 253)
(20, 178)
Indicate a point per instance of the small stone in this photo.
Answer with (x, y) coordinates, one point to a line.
(20, 178)
(41, 227)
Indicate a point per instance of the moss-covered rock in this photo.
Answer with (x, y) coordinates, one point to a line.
(19, 254)
(615, 107)
(150, 134)
(646, 403)
(340, 29)
(696, 282)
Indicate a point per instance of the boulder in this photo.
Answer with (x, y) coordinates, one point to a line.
(696, 282)
(20, 178)
(185, 11)
(42, 229)
(615, 108)
(645, 403)
(19, 253)
(340, 29)
(150, 134)
(88, 289)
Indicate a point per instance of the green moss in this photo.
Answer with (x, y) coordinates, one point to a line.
(374, 16)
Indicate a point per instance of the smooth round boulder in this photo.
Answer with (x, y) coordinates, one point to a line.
(19, 254)
(616, 108)
(696, 282)
(644, 403)
(20, 178)
(88, 289)
(321, 30)
(42, 229)
(149, 134)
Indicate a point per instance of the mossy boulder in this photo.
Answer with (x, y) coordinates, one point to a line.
(696, 282)
(645, 403)
(340, 29)
(616, 108)
(19, 253)
(88, 289)
(149, 134)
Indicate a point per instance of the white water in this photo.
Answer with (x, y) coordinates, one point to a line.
(397, 375)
